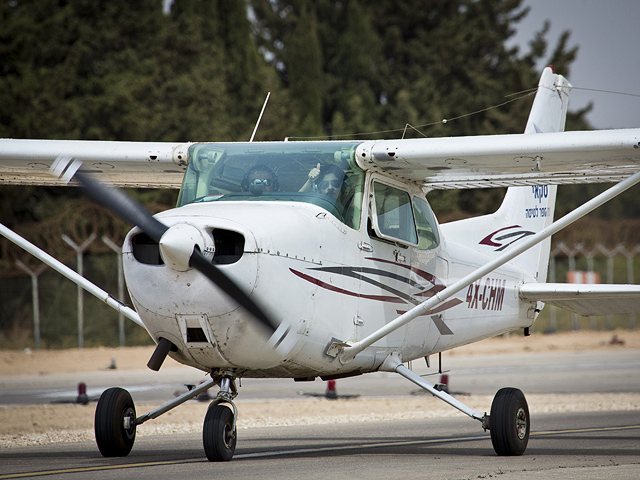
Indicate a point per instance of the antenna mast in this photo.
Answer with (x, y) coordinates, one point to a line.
(260, 117)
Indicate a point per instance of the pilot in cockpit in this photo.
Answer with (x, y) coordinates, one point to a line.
(259, 179)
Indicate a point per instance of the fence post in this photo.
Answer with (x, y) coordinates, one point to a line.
(35, 298)
(609, 254)
(552, 279)
(116, 248)
(590, 268)
(80, 249)
(575, 324)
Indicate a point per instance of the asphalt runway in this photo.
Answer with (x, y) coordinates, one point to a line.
(577, 445)
(562, 445)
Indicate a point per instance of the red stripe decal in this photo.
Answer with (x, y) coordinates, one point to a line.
(320, 283)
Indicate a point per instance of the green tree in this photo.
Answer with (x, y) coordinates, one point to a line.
(387, 64)
(390, 63)
(118, 71)
(354, 73)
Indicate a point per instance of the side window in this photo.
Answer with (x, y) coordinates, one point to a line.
(427, 230)
(393, 217)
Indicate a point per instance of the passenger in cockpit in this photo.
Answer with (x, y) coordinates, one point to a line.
(329, 180)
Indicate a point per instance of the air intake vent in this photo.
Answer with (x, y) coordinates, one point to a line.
(146, 250)
(229, 246)
(196, 335)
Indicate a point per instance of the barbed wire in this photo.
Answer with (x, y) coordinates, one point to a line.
(76, 218)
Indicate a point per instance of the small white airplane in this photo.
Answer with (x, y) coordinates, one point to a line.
(326, 259)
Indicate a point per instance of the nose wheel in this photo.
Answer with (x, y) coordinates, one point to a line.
(219, 430)
(219, 434)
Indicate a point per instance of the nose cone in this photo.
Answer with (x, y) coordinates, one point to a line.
(177, 244)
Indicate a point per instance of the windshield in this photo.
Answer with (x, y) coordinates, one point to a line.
(322, 173)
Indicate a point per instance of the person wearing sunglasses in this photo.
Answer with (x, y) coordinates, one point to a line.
(329, 180)
(259, 179)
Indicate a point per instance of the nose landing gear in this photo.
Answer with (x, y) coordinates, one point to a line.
(115, 420)
(219, 431)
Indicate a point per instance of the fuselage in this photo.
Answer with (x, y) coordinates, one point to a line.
(328, 271)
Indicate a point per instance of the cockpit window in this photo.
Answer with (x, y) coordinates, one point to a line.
(395, 220)
(428, 237)
(321, 173)
(394, 217)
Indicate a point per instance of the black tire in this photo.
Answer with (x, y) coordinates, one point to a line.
(113, 439)
(509, 422)
(218, 434)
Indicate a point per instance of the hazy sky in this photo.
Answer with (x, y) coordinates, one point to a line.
(608, 34)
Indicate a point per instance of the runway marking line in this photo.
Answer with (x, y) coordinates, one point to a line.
(583, 430)
(303, 451)
(99, 468)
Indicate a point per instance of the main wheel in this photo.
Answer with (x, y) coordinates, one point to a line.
(219, 434)
(114, 423)
(509, 422)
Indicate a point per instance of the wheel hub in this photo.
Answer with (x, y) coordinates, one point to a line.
(229, 435)
(521, 423)
(129, 416)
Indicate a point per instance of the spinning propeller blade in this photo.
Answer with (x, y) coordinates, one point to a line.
(124, 206)
(121, 204)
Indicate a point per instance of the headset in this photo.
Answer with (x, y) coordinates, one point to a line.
(259, 168)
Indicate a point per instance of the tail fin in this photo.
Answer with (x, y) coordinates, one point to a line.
(531, 209)
(524, 210)
(549, 109)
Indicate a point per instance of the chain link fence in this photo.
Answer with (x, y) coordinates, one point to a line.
(597, 264)
(576, 264)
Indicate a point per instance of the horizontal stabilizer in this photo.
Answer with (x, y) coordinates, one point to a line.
(585, 299)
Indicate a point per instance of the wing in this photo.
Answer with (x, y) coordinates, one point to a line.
(437, 163)
(507, 160)
(130, 164)
(587, 300)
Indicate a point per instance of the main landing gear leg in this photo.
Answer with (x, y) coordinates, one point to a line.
(509, 420)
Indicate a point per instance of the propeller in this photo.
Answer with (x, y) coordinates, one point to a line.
(126, 207)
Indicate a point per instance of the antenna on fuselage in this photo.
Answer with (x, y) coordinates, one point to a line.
(260, 117)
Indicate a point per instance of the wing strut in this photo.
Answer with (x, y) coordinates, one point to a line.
(71, 275)
(347, 354)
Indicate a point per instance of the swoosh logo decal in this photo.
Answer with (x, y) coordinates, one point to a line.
(395, 296)
(495, 240)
